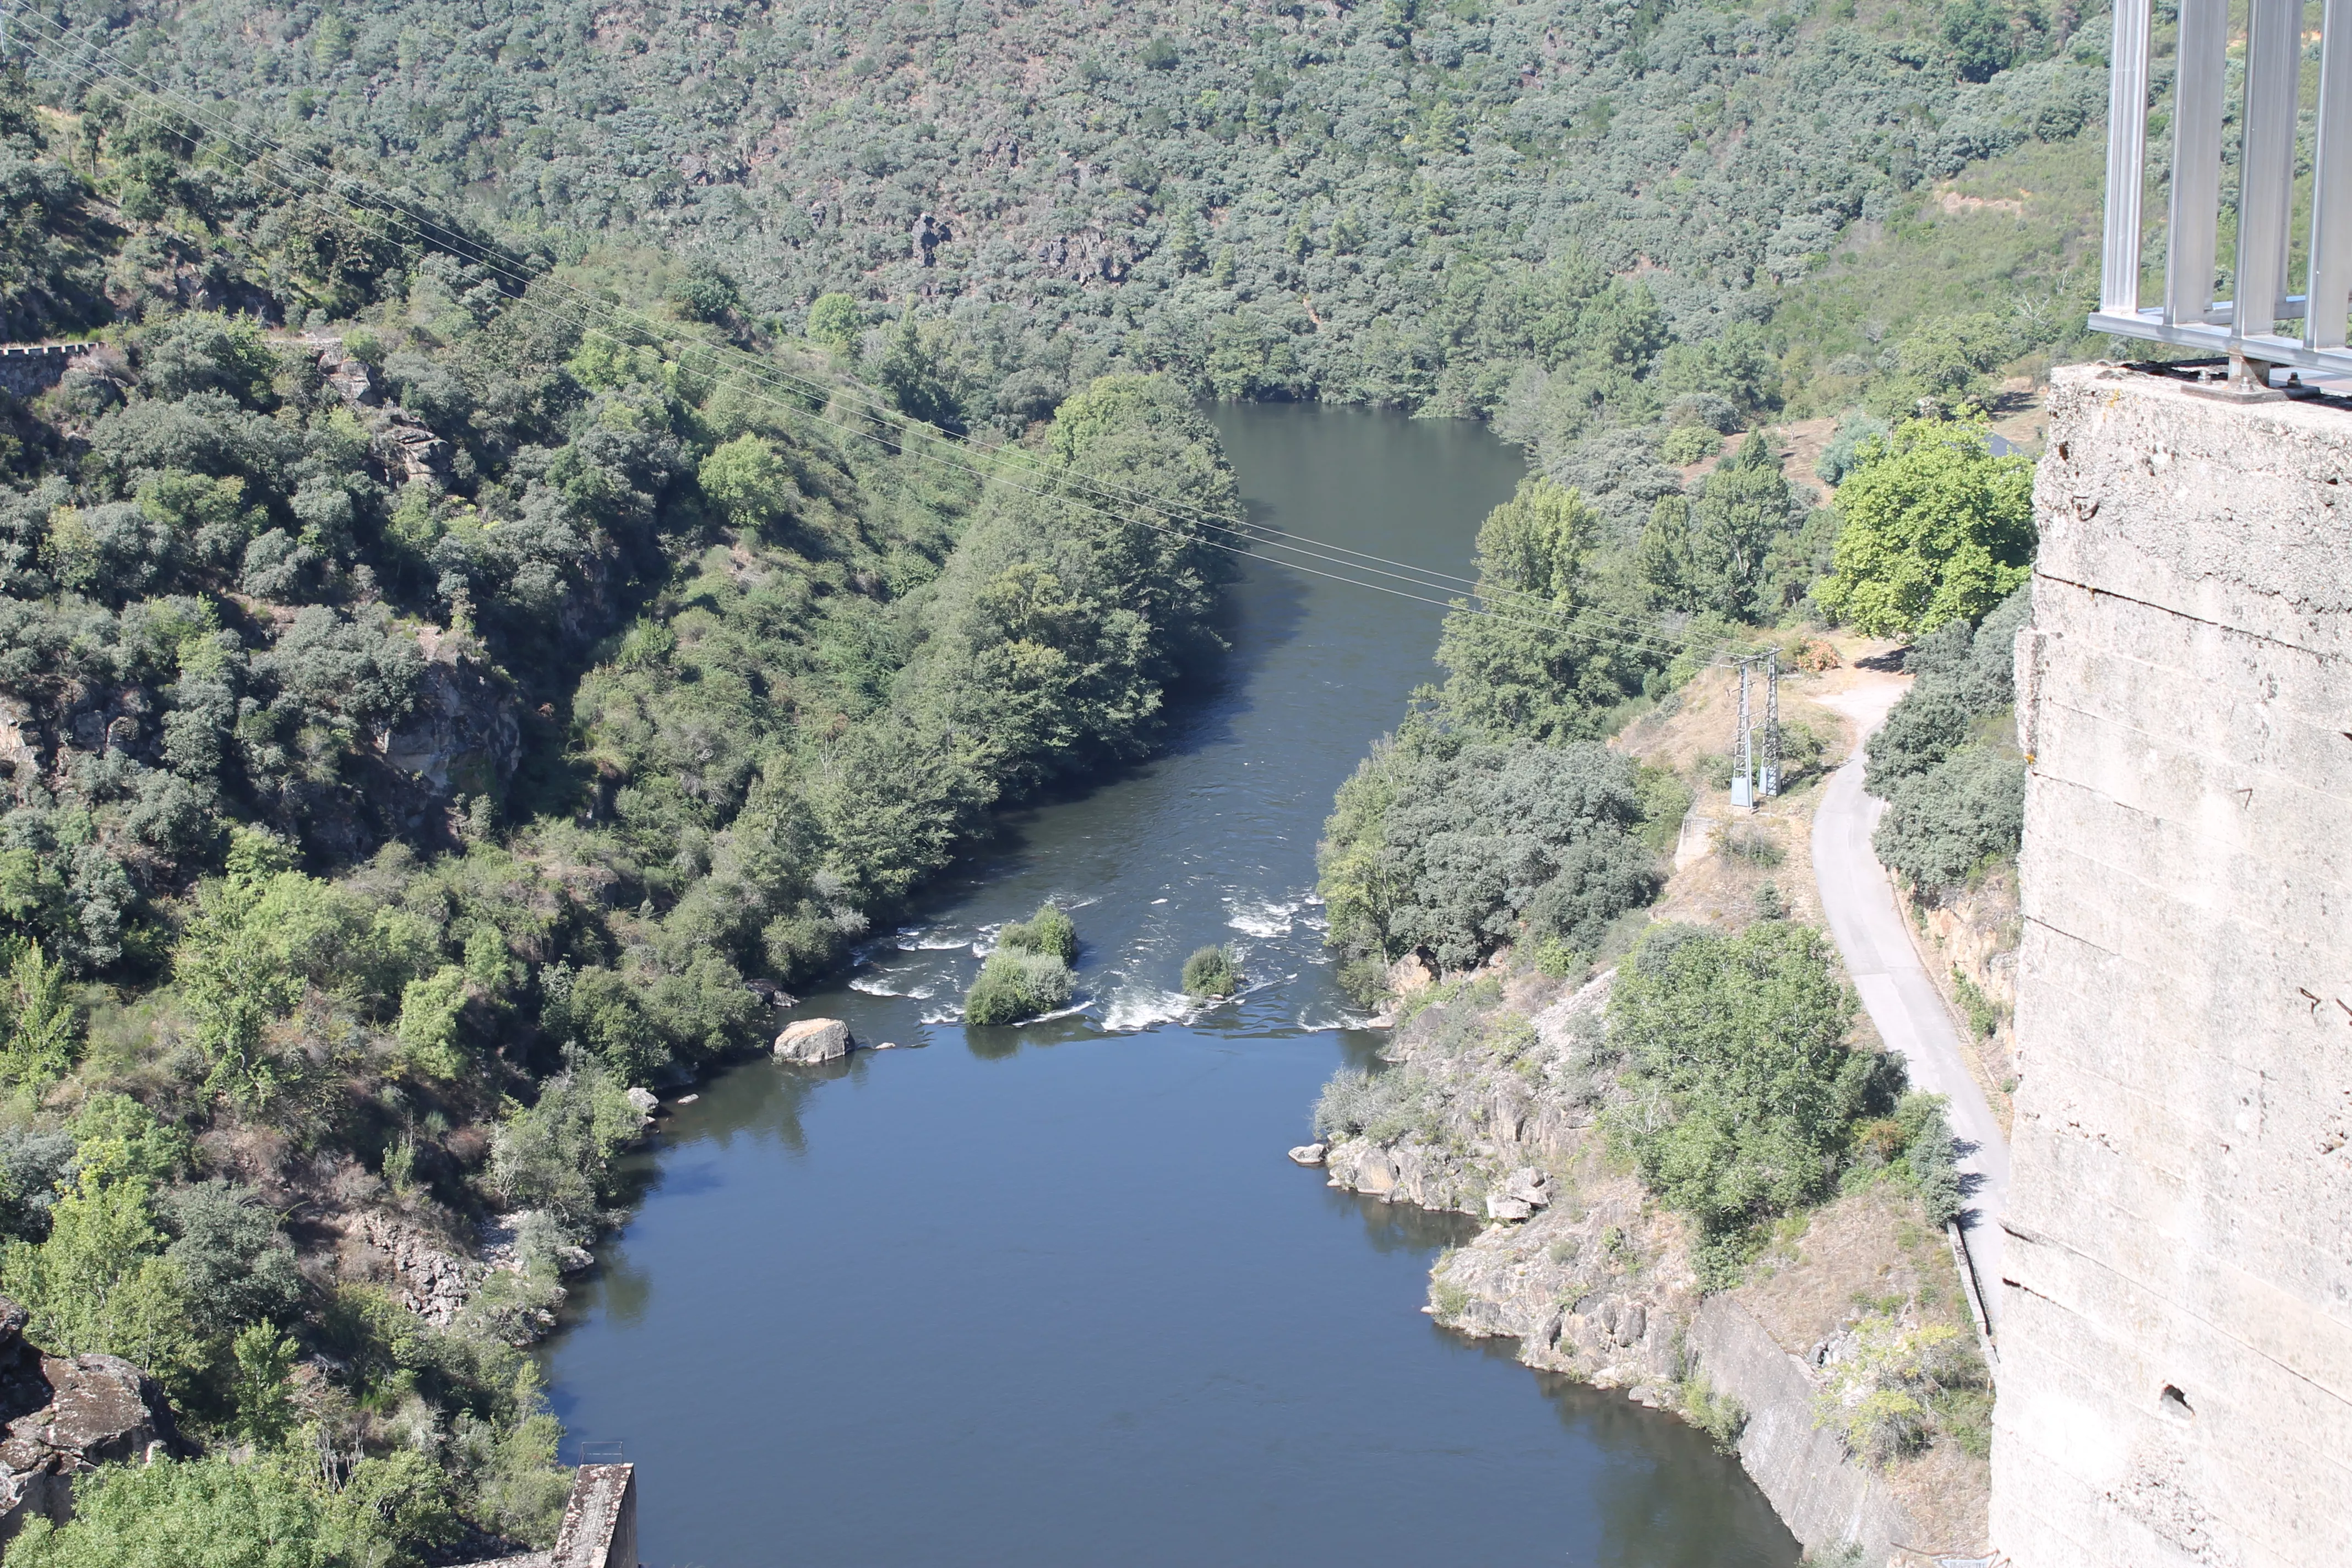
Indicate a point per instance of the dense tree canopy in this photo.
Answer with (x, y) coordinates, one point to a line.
(1744, 1089)
(1937, 530)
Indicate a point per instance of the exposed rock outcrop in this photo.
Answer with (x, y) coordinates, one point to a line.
(1578, 1266)
(464, 735)
(1493, 1110)
(813, 1040)
(63, 1416)
(420, 1271)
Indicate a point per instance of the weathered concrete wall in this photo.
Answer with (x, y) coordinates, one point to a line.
(1824, 1496)
(27, 370)
(2176, 1344)
(600, 1522)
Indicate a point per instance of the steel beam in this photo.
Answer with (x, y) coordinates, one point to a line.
(2331, 185)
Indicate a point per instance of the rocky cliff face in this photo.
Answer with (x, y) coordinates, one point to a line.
(1974, 931)
(65, 1416)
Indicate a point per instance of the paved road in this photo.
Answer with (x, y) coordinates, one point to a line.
(1867, 923)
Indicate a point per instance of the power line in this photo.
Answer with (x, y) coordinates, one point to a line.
(1516, 607)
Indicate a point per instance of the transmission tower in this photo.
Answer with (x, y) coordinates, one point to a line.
(1743, 754)
(1771, 777)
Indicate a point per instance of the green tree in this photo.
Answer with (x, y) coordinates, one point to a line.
(430, 1010)
(747, 481)
(835, 321)
(44, 1026)
(1937, 529)
(1744, 507)
(272, 1512)
(261, 1393)
(1553, 655)
(100, 1282)
(1982, 40)
(1744, 1089)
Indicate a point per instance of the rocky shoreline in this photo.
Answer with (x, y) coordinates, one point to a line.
(440, 1274)
(1494, 1091)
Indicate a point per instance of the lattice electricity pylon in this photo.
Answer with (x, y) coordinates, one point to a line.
(1743, 754)
(2245, 327)
(1771, 779)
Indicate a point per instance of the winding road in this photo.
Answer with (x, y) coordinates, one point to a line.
(1867, 922)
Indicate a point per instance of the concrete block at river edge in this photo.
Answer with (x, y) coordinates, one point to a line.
(814, 1040)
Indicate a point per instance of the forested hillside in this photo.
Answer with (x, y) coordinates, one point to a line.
(423, 734)
(1559, 213)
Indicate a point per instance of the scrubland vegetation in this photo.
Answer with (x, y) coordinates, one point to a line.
(1946, 761)
(1028, 974)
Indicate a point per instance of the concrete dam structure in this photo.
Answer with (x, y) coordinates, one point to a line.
(2176, 1379)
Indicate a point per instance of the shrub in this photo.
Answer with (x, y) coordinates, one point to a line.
(1210, 972)
(1012, 986)
(1690, 444)
(1049, 930)
(1984, 1012)
(556, 1154)
(1383, 1107)
(1719, 1415)
(1929, 1162)
(43, 1026)
(237, 1265)
(1930, 724)
(1858, 435)
(273, 1512)
(835, 321)
(1665, 800)
(1752, 843)
(1943, 825)
(1877, 1395)
(1743, 1088)
(101, 1282)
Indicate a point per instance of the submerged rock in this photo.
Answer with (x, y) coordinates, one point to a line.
(814, 1040)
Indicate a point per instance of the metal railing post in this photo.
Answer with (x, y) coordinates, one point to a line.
(2266, 164)
(2330, 283)
(2201, 62)
(2126, 159)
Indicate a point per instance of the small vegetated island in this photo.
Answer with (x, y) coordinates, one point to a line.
(1029, 974)
(1211, 974)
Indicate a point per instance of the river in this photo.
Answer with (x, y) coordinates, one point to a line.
(1052, 1296)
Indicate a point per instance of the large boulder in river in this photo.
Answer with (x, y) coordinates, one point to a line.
(62, 1416)
(814, 1040)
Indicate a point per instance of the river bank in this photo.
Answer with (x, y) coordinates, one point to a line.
(1033, 1293)
(1584, 1272)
